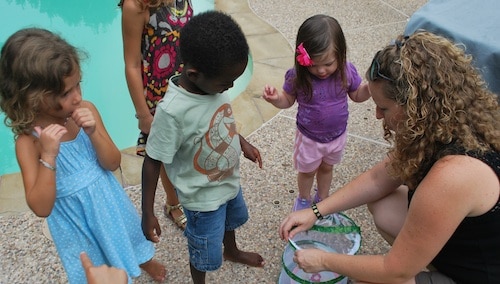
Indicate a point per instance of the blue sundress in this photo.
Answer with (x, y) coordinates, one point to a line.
(92, 213)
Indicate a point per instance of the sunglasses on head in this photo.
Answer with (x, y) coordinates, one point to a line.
(375, 70)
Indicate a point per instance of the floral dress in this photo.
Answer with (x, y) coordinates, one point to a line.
(160, 48)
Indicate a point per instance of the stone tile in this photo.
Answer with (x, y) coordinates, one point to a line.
(12, 198)
(130, 170)
(232, 7)
(251, 112)
(406, 7)
(252, 25)
(264, 46)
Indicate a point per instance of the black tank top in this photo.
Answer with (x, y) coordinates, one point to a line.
(472, 254)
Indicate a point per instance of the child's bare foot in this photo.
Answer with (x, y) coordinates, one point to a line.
(155, 269)
(248, 258)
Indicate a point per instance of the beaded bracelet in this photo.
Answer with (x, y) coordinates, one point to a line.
(316, 211)
(47, 165)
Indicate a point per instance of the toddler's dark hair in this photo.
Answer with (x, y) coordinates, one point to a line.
(319, 34)
(211, 42)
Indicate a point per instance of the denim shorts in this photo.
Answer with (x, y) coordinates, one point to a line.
(205, 232)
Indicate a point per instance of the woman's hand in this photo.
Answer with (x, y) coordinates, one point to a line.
(296, 222)
(101, 274)
(310, 260)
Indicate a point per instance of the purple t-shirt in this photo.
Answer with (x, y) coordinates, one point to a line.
(324, 117)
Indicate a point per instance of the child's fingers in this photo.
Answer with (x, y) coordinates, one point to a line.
(258, 159)
(268, 90)
(82, 116)
(38, 130)
(155, 239)
(152, 236)
(271, 90)
(55, 131)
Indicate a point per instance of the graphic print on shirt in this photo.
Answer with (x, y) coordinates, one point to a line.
(216, 157)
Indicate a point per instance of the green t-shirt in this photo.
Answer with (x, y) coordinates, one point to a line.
(196, 139)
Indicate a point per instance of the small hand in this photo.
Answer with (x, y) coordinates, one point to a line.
(101, 274)
(250, 152)
(254, 156)
(270, 94)
(296, 222)
(151, 228)
(50, 139)
(84, 118)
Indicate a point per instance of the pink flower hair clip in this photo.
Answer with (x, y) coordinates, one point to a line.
(303, 57)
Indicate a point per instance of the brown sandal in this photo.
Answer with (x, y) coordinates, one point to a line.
(181, 220)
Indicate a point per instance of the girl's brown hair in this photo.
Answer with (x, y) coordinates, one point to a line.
(320, 34)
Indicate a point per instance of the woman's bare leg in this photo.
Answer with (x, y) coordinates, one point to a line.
(389, 213)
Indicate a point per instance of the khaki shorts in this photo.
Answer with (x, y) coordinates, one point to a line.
(433, 277)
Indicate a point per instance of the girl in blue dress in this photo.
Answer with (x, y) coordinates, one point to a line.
(66, 158)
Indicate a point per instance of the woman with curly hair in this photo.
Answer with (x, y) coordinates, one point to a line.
(436, 196)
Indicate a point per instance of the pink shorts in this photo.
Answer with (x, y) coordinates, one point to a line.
(308, 154)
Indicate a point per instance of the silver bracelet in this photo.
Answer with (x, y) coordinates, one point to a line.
(47, 165)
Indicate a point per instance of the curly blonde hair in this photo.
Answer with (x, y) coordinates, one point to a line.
(33, 65)
(446, 102)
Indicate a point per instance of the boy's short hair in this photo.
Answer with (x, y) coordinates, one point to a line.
(212, 41)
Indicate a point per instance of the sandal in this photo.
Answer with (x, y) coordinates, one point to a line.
(181, 220)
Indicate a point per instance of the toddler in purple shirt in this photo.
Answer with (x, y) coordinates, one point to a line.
(320, 82)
